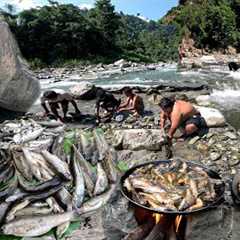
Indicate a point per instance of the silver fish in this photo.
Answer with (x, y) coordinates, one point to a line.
(79, 191)
(97, 202)
(11, 214)
(28, 136)
(36, 225)
(60, 166)
(86, 166)
(51, 124)
(33, 211)
(102, 181)
(31, 163)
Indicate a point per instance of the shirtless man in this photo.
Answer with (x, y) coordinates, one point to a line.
(54, 100)
(134, 103)
(107, 102)
(181, 114)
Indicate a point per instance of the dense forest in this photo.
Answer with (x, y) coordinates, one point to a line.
(63, 33)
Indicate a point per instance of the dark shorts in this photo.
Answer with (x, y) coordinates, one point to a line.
(197, 120)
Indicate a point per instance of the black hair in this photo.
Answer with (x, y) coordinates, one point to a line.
(100, 92)
(127, 90)
(166, 103)
(50, 95)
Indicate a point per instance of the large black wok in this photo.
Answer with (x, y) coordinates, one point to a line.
(212, 174)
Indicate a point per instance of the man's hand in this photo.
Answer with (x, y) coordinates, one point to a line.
(169, 140)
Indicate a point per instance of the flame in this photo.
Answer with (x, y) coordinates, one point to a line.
(177, 222)
(157, 217)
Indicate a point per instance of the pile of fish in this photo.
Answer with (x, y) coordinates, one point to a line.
(44, 187)
(172, 186)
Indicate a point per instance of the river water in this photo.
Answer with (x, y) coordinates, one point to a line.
(225, 85)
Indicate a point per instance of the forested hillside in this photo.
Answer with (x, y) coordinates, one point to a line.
(60, 33)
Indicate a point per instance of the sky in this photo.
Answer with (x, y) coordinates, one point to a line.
(151, 9)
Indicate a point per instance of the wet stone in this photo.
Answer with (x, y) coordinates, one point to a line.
(230, 135)
(194, 140)
(215, 224)
(214, 156)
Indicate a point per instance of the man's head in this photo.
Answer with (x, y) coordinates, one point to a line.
(166, 104)
(50, 95)
(100, 93)
(128, 91)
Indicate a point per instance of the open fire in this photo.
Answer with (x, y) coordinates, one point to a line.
(155, 226)
(148, 188)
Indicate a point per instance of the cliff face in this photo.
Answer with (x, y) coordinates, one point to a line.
(206, 26)
(18, 86)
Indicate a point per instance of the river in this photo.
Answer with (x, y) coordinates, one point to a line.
(225, 85)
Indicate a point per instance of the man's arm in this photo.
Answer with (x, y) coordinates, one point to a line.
(75, 106)
(97, 107)
(44, 105)
(163, 119)
(124, 105)
(175, 122)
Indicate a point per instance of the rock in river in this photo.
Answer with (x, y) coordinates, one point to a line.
(212, 116)
(18, 86)
(139, 139)
(84, 91)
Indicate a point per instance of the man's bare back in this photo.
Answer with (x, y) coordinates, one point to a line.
(180, 113)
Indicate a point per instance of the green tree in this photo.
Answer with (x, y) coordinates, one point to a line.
(107, 20)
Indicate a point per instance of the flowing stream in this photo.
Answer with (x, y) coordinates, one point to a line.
(225, 84)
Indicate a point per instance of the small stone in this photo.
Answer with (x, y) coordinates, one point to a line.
(194, 140)
(214, 156)
(234, 160)
(230, 135)
(209, 135)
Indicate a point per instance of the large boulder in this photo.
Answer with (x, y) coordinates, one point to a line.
(18, 86)
(139, 139)
(84, 91)
(122, 63)
(212, 116)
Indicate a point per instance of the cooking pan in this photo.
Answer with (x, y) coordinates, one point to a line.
(219, 189)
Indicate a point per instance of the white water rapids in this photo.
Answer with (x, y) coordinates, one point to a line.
(225, 84)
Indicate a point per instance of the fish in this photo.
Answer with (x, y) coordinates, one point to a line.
(44, 186)
(19, 194)
(32, 211)
(101, 143)
(38, 145)
(61, 229)
(174, 186)
(4, 207)
(7, 174)
(51, 124)
(199, 204)
(31, 163)
(57, 146)
(97, 202)
(9, 189)
(79, 191)
(109, 167)
(102, 180)
(188, 201)
(18, 206)
(21, 138)
(36, 225)
(60, 166)
(86, 146)
(86, 166)
(22, 166)
(161, 199)
(145, 185)
(64, 199)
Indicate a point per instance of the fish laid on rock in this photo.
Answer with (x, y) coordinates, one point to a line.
(43, 186)
(36, 225)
